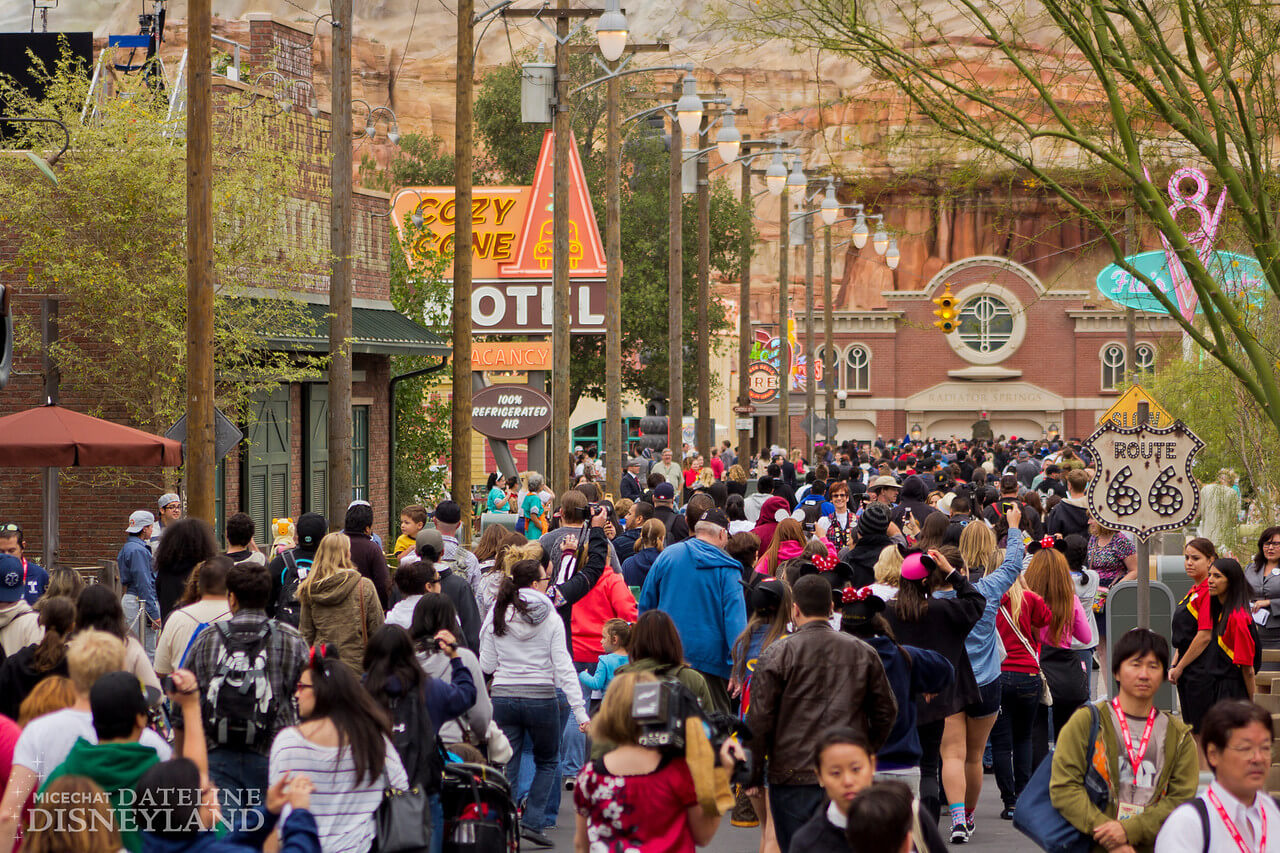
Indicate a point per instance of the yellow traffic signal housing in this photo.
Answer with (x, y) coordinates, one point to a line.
(947, 314)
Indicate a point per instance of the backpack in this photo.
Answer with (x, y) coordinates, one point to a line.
(414, 737)
(296, 568)
(240, 706)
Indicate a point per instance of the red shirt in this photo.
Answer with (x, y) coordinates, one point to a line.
(644, 813)
(610, 598)
(1032, 617)
(717, 467)
(1197, 603)
(1234, 639)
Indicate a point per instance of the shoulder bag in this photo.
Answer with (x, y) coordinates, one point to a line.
(1035, 816)
(402, 823)
(1046, 697)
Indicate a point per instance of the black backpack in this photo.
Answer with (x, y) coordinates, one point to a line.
(240, 706)
(296, 567)
(414, 737)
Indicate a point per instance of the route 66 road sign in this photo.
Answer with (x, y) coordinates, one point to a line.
(1143, 482)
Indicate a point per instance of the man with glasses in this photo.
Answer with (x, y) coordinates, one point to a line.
(844, 521)
(34, 577)
(170, 513)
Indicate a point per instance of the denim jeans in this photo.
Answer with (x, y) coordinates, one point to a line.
(1011, 737)
(241, 778)
(540, 720)
(135, 616)
(791, 807)
(437, 823)
(573, 743)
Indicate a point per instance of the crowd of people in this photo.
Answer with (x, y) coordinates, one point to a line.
(836, 651)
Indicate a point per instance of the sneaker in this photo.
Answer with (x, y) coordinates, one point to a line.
(535, 837)
(1007, 813)
(959, 833)
(971, 825)
(569, 782)
(743, 814)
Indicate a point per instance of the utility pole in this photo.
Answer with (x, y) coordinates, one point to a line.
(705, 438)
(460, 449)
(613, 427)
(675, 289)
(744, 319)
(785, 356)
(200, 461)
(340, 271)
(830, 364)
(810, 371)
(558, 454)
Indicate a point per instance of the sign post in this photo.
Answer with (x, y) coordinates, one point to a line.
(1143, 484)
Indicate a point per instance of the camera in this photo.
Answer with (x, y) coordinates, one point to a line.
(662, 708)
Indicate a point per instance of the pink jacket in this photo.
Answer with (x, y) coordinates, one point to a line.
(1080, 629)
(789, 550)
(610, 598)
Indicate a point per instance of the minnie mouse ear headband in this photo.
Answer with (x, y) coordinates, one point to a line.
(824, 562)
(917, 566)
(1056, 543)
(858, 606)
(782, 515)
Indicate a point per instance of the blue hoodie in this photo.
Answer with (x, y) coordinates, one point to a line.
(298, 834)
(928, 672)
(700, 587)
(636, 567)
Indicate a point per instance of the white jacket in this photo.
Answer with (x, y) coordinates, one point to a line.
(532, 651)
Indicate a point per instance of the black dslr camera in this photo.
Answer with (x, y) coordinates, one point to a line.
(660, 708)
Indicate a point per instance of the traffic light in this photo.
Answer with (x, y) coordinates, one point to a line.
(946, 313)
(6, 337)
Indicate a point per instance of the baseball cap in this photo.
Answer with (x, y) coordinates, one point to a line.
(10, 578)
(429, 538)
(139, 520)
(715, 516)
(358, 502)
(168, 498)
(116, 699)
(310, 529)
(664, 492)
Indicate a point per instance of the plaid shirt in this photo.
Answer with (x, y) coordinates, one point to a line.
(286, 653)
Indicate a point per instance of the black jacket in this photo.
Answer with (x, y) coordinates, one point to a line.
(1067, 518)
(457, 590)
(820, 835)
(624, 544)
(630, 486)
(18, 677)
(861, 558)
(583, 581)
(914, 497)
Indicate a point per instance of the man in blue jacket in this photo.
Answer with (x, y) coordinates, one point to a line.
(699, 586)
(137, 581)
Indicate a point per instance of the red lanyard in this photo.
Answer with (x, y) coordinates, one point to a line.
(24, 572)
(1231, 827)
(1135, 758)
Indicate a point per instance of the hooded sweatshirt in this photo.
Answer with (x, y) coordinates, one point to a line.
(531, 658)
(116, 768)
(918, 672)
(438, 665)
(700, 587)
(636, 567)
(401, 612)
(1070, 515)
(914, 497)
(342, 610)
(768, 523)
(298, 834)
(19, 627)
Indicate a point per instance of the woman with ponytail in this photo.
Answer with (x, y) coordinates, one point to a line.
(522, 645)
(1191, 672)
(1234, 651)
(27, 667)
(343, 745)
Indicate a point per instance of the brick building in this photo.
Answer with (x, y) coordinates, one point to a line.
(281, 468)
(1038, 361)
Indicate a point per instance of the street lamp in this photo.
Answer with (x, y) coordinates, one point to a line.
(891, 255)
(830, 206)
(728, 139)
(611, 32)
(860, 230)
(689, 107)
(880, 240)
(796, 180)
(775, 178)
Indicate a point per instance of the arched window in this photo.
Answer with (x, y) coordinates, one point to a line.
(830, 375)
(986, 324)
(858, 369)
(1146, 358)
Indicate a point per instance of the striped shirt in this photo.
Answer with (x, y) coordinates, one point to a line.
(343, 806)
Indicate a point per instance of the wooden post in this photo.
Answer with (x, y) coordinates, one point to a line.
(613, 443)
(675, 290)
(705, 438)
(200, 459)
(830, 364)
(49, 475)
(460, 449)
(339, 423)
(784, 348)
(744, 321)
(1144, 549)
(810, 389)
(559, 457)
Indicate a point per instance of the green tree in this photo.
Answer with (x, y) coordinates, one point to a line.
(110, 239)
(1077, 96)
(510, 154)
(420, 161)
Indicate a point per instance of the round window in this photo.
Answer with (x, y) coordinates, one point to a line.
(986, 324)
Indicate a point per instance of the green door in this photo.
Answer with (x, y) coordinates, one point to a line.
(267, 486)
(315, 491)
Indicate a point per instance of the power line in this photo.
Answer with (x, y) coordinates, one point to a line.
(405, 52)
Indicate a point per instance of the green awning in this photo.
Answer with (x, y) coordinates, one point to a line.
(381, 331)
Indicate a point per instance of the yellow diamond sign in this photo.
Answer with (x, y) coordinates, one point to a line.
(1124, 413)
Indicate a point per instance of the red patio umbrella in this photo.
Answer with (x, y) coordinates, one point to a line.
(52, 437)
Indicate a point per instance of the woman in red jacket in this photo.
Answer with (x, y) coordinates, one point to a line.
(1020, 690)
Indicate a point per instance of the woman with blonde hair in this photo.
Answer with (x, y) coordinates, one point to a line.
(340, 607)
(888, 571)
(736, 480)
(1049, 577)
(635, 569)
(979, 550)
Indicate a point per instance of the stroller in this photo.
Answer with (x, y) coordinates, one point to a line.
(479, 812)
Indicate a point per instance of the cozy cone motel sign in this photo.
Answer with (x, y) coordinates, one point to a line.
(511, 248)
